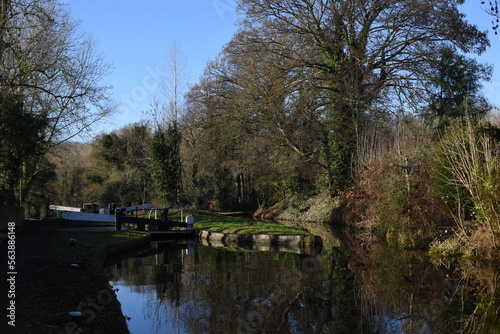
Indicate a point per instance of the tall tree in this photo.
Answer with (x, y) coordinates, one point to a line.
(124, 155)
(166, 111)
(54, 70)
(20, 141)
(456, 87)
(169, 102)
(367, 47)
(166, 164)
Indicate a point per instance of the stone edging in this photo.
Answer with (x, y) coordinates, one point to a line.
(264, 242)
(289, 243)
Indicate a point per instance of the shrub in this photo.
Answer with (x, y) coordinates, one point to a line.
(398, 205)
(214, 205)
(467, 173)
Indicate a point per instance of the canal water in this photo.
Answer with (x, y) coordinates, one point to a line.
(349, 287)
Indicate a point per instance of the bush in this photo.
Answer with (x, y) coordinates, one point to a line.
(467, 170)
(395, 198)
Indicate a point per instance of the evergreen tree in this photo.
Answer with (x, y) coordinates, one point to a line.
(20, 144)
(166, 163)
(124, 155)
(456, 89)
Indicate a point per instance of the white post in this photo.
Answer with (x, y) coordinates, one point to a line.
(190, 223)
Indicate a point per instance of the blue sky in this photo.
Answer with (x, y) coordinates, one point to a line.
(477, 16)
(136, 36)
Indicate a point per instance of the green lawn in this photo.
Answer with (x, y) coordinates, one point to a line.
(226, 224)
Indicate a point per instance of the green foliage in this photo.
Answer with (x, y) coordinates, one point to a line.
(456, 87)
(126, 171)
(468, 171)
(111, 150)
(166, 163)
(338, 152)
(21, 142)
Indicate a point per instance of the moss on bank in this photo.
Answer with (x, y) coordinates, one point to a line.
(321, 208)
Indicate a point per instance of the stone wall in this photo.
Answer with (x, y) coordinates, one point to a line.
(285, 243)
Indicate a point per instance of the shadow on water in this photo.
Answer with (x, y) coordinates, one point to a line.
(351, 287)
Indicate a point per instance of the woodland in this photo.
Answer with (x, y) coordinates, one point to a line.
(377, 103)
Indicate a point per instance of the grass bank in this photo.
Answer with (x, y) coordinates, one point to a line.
(230, 224)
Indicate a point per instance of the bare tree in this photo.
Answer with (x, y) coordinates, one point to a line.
(468, 159)
(55, 71)
(491, 8)
(367, 48)
(54, 67)
(166, 108)
(174, 84)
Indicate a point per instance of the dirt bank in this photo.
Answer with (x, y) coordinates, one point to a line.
(321, 208)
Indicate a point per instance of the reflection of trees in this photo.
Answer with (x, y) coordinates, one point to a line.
(345, 291)
(404, 285)
(363, 290)
(167, 275)
(474, 306)
(252, 292)
(155, 274)
(404, 291)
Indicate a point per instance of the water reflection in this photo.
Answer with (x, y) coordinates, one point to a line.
(170, 289)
